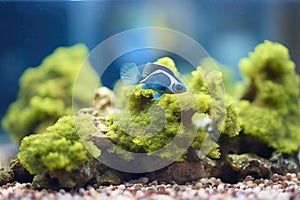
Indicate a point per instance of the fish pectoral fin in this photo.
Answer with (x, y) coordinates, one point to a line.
(157, 96)
(145, 87)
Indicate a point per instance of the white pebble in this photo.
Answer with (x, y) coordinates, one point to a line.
(81, 190)
(162, 197)
(121, 197)
(145, 180)
(203, 194)
(203, 180)
(121, 187)
(220, 187)
(127, 194)
(62, 191)
(116, 192)
(139, 194)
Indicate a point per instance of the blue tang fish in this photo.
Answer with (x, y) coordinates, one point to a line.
(152, 76)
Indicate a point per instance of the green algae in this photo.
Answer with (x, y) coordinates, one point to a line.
(63, 156)
(60, 157)
(60, 148)
(6, 176)
(45, 93)
(147, 126)
(269, 106)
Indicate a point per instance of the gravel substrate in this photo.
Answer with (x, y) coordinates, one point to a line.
(278, 187)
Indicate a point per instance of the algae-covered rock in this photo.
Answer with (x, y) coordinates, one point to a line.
(57, 179)
(129, 121)
(6, 176)
(109, 177)
(270, 104)
(248, 164)
(46, 93)
(236, 167)
(228, 75)
(14, 172)
(144, 125)
(60, 153)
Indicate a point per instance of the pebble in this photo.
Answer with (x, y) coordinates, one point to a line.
(138, 186)
(277, 187)
(121, 187)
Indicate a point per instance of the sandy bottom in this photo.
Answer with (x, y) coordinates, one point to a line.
(278, 187)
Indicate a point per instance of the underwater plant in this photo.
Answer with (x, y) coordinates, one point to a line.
(45, 93)
(60, 150)
(140, 127)
(270, 103)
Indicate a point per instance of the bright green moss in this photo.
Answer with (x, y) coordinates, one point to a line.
(144, 125)
(270, 109)
(60, 148)
(45, 93)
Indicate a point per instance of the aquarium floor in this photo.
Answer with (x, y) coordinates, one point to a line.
(278, 187)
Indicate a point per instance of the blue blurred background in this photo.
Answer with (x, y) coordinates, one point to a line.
(227, 29)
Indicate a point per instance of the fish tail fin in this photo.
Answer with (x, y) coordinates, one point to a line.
(130, 74)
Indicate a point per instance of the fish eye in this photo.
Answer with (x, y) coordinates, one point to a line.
(179, 87)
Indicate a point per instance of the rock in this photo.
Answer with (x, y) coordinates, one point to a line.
(20, 173)
(236, 167)
(283, 165)
(250, 164)
(104, 99)
(192, 168)
(14, 172)
(58, 179)
(110, 177)
(6, 176)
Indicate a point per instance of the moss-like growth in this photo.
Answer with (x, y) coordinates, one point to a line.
(219, 108)
(60, 148)
(146, 126)
(270, 106)
(6, 176)
(14, 172)
(227, 75)
(45, 93)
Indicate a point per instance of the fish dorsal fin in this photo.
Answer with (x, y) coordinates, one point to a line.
(130, 74)
(151, 67)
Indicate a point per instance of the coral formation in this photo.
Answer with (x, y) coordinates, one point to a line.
(45, 93)
(269, 109)
(152, 125)
(227, 74)
(60, 153)
(63, 155)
